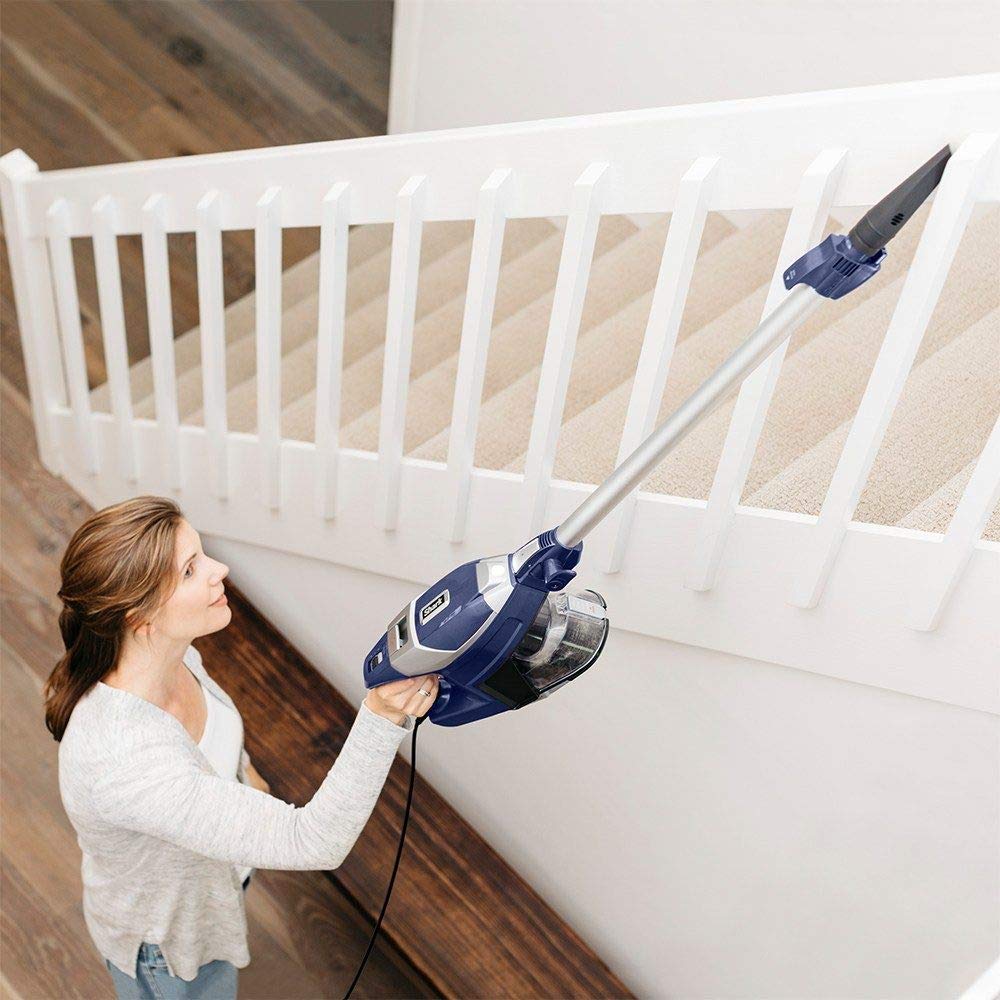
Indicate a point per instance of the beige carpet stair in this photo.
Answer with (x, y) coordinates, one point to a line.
(947, 409)
(934, 513)
(528, 254)
(701, 347)
(368, 260)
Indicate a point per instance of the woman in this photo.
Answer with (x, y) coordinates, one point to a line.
(169, 811)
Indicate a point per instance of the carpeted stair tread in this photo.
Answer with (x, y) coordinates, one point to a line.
(588, 442)
(945, 413)
(623, 281)
(239, 319)
(935, 512)
(438, 279)
(518, 310)
(438, 317)
(588, 445)
(727, 293)
(369, 250)
(829, 389)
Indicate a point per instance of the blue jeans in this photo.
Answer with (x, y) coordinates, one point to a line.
(215, 980)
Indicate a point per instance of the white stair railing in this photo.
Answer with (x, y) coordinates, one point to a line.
(267, 262)
(477, 321)
(68, 307)
(211, 318)
(109, 297)
(156, 268)
(807, 153)
(951, 556)
(403, 274)
(560, 344)
(330, 342)
(35, 302)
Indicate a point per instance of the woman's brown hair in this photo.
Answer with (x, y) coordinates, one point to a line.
(117, 569)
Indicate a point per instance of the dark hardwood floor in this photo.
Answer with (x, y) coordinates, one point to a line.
(84, 82)
(90, 81)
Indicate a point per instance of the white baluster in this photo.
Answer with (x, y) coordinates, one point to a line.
(404, 272)
(477, 321)
(267, 255)
(560, 344)
(211, 302)
(948, 218)
(36, 313)
(687, 223)
(330, 342)
(805, 227)
(68, 306)
(109, 296)
(952, 554)
(159, 310)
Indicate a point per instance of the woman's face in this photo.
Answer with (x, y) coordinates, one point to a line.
(198, 605)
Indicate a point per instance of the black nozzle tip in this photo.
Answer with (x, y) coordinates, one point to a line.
(881, 222)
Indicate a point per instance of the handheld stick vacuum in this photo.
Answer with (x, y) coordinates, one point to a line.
(503, 631)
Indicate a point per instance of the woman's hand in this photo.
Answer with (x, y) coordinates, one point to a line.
(398, 699)
(254, 778)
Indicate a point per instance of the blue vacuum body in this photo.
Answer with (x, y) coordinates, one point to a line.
(500, 631)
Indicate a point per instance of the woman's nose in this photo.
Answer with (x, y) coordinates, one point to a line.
(222, 571)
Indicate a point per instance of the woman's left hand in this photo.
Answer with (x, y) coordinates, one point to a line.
(254, 779)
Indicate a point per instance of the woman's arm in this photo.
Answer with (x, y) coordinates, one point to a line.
(162, 792)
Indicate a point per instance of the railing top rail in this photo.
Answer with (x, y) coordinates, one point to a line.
(764, 144)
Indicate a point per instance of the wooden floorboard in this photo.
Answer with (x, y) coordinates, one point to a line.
(88, 82)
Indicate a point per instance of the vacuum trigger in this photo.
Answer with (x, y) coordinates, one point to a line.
(560, 578)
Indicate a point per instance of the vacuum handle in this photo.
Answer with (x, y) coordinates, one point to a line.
(882, 221)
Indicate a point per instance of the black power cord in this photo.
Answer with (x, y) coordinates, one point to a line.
(399, 854)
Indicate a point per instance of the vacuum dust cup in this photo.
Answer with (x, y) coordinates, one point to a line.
(565, 638)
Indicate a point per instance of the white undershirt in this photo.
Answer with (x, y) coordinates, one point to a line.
(222, 741)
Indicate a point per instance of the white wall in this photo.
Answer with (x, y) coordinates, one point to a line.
(461, 62)
(711, 825)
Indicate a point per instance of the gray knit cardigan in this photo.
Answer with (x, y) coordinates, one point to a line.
(163, 836)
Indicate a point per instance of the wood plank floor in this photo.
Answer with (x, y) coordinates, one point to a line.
(92, 81)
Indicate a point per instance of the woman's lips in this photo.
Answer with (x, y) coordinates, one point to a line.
(222, 600)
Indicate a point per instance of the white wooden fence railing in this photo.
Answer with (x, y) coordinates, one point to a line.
(822, 594)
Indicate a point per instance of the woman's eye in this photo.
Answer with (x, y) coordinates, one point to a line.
(189, 570)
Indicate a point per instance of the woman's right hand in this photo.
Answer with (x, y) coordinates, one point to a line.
(397, 699)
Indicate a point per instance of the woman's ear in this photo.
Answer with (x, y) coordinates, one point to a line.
(135, 625)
